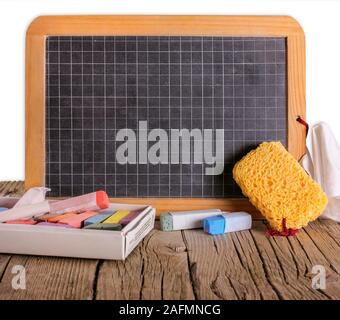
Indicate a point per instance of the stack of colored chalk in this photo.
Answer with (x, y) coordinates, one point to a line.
(108, 220)
(89, 211)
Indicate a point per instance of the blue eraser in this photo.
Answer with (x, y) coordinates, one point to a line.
(3, 209)
(214, 225)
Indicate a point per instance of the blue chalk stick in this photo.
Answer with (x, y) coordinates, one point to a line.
(214, 225)
(227, 222)
(3, 209)
(98, 218)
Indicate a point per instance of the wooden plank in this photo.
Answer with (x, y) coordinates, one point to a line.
(325, 236)
(285, 264)
(3, 187)
(307, 255)
(156, 269)
(331, 229)
(320, 235)
(135, 25)
(35, 109)
(226, 267)
(4, 261)
(13, 188)
(296, 82)
(50, 278)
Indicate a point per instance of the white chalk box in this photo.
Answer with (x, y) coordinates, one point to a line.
(77, 243)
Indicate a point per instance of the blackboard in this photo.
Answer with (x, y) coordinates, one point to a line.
(233, 88)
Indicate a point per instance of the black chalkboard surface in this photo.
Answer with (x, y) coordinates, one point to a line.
(151, 116)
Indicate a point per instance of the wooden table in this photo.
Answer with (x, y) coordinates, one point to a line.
(188, 265)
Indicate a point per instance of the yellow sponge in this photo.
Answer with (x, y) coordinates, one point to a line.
(278, 186)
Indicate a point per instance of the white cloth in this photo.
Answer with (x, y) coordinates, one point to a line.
(322, 162)
(32, 203)
(32, 196)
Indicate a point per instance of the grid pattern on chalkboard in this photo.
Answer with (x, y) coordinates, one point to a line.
(96, 86)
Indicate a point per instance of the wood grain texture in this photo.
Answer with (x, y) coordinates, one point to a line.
(296, 93)
(165, 25)
(283, 271)
(188, 265)
(35, 111)
(222, 267)
(157, 269)
(11, 188)
(159, 25)
(8, 188)
(307, 255)
(51, 278)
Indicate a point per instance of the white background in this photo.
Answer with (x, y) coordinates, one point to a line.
(320, 20)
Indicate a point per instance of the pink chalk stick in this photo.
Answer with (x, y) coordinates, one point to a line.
(78, 220)
(87, 202)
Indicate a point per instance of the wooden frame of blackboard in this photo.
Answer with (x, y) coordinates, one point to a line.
(41, 27)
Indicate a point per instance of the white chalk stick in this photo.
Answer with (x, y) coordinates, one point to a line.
(182, 220)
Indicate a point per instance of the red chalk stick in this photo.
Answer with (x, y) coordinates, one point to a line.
(21, 222)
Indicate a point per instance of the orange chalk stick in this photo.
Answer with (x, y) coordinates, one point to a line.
(60, 217)
(78, 220)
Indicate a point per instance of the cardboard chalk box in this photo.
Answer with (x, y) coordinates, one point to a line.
(77, 243)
